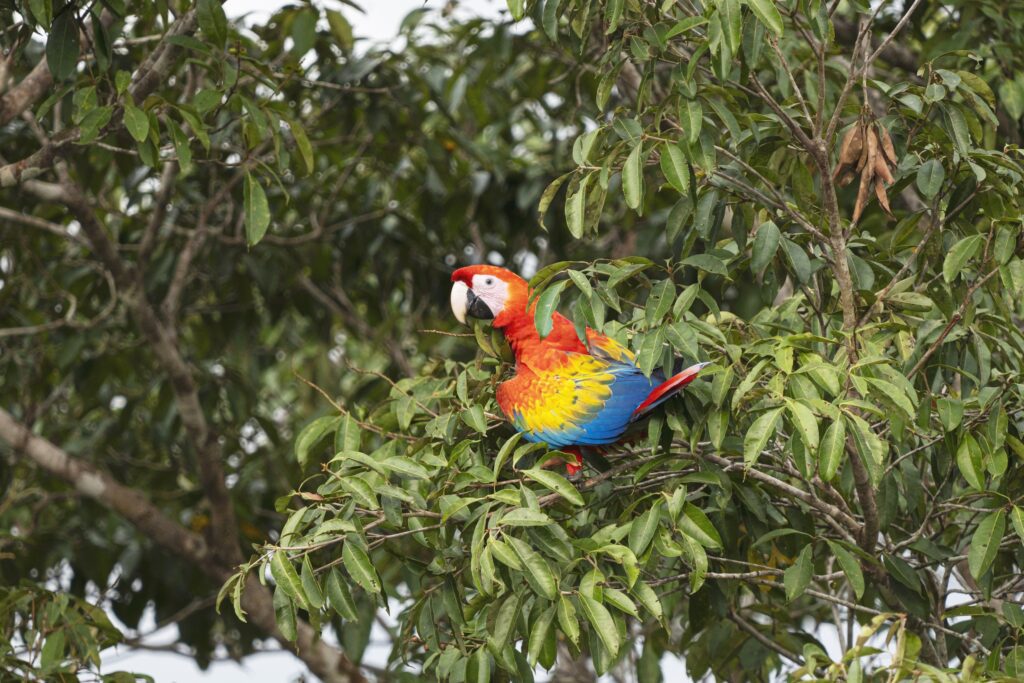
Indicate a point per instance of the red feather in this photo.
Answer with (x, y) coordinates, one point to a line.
(667, 388)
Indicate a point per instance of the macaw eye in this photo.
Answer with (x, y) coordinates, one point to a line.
(489, 281)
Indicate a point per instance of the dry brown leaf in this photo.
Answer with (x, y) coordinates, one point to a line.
(882, 169)
(863, 192)
(850, 148)
(870, 149)
(887, 148)
(883, 198)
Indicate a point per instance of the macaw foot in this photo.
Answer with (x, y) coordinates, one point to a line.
(570, 467)
(573, 468)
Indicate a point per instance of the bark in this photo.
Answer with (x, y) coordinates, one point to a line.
(322, 659)
(26, 93)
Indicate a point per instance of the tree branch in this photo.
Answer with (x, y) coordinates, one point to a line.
(323, 660)
(24, 95)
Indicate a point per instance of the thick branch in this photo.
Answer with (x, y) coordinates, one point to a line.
(22, 96)
(323, 660)
(163, 345)
(101, 487)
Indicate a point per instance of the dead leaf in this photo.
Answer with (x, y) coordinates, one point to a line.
(863, 193)
(883, 198)
(887, 148)
(882, 169)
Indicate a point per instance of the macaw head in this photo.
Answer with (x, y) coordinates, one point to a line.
(488, 293)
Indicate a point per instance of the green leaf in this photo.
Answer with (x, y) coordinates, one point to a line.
(339, 597)
(576, 208)
(359, 567)
(303, 32)
(1017, 517)
(969, 461)
(42, 12)
(649, 599)
(893, 394)
(303, 145)
(850, 566)
(311, 435)
(659, 302)
(568, 621)
(951, 412)
(536, 569)
(547, 302)
(212, 21)
(52, 653)
(62, 44)
(959, 255)
(284, 614)
(766, 243)
(310, 586)
(287, 578)
(707, 263)
(517, 8)
(555, 482)
(612, 15)
(641, 532)
(136, 121)
(257, 211)
(549, 19)
(985, 543)
(601, 620)
(181, 146)
(633, 178)
(870, 448)
(806, 424)
(619, 601)
(758, 435)
(929, 178)
(504, 554)
(479, 669)
(341, 29)
(798, 576)
(540, 630)
(833, 446)
(767, 14)
(798, 261)
(651, 350)
(695, 524)
(503, 624)
(685, 25)
(474, 418)
(729, 14)
(675, 168)
(406, 466)
(692, 116)
(525, 517)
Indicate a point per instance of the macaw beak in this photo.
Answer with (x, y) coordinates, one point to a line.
(465, 302)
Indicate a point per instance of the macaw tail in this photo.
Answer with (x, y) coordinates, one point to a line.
(667, 390)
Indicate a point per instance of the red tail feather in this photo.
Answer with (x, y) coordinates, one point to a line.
(667, 388)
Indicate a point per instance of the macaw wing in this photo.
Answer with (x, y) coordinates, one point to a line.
(602, 346)
(586, 401)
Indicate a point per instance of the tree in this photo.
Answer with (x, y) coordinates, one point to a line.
(852, 458)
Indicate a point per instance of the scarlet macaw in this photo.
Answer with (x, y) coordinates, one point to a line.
(565, 393)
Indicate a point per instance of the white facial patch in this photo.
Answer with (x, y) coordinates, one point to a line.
(493, 290)
(459, 301)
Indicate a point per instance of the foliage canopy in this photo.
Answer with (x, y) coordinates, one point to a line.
(224, 267)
